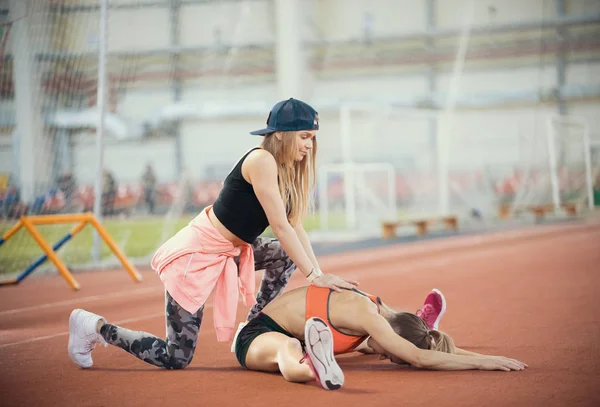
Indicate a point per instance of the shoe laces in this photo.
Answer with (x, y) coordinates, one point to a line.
(425, 312)
(93, 341)
(90, 346)
(306, 359)
(304, 353)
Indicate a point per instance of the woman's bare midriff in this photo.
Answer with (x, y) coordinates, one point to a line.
(236, 241)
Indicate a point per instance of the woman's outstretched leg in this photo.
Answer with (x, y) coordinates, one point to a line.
(275, 352)
(176, 352)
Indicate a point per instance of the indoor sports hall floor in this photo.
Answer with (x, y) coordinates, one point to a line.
(529, 294)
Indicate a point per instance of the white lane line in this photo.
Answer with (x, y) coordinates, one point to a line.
(91, 298)
(119, 322)
(452, 258)
(446, 259)
(123, 321)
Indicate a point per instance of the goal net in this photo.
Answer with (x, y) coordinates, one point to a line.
(152, 184)
(560, 171)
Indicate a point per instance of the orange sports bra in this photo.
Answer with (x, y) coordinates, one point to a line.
(317, 305)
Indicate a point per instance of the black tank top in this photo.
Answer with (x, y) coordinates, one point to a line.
(238, 208)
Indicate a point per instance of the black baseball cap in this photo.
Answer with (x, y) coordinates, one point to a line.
(290, 115)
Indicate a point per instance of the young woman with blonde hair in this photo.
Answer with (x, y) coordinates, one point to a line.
(219, 250)
(299, 333)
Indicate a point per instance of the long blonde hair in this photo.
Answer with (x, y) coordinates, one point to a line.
(296, 178)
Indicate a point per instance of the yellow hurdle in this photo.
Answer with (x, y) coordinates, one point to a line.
(29, 222)
(37, 236)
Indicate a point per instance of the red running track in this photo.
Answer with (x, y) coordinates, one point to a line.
(528, 295)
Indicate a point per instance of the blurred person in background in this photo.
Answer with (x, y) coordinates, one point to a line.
(67, 184)
(11, 205)
(149, 183)
(220, 249)
(109, 192)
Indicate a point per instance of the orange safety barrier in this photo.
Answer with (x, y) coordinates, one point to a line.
(29, 222)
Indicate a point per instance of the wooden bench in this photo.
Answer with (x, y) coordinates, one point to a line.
(570, 209)
(389, 228)
(539, 211)
(504, 211)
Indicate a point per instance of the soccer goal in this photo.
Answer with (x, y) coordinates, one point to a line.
(570, 161)
(356, 197)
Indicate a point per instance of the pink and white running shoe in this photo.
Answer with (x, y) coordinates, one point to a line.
(433, 309)
(319, 356)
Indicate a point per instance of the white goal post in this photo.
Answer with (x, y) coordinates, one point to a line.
(360, 199)
(579, 126)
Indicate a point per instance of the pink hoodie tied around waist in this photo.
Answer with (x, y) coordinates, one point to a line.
(199, 259)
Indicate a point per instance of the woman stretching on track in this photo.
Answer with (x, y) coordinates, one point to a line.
(299, 333)
(269, 186)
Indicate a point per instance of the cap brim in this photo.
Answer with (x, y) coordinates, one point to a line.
(264, 131)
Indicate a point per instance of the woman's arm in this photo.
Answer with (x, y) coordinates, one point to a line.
(381, 331)
(261, 170)
(262, 173)
(305, 241)
(463, 352)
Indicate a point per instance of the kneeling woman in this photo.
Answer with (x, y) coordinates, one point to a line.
(300, 332)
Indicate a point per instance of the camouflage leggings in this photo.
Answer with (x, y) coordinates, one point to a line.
(270, 257)
(183, 328)
(174, 353)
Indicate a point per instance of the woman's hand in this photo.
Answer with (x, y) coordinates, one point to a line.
(334, 282)
(501, 363)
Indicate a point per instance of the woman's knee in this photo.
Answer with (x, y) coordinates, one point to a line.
(178, 363)
(179, 355)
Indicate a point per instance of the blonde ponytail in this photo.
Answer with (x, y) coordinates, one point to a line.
(441, 342)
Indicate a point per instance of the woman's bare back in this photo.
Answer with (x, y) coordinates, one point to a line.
(289, 311)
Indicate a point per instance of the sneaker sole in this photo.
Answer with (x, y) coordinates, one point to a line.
(72, 333)
(437, 320)
(319, 346)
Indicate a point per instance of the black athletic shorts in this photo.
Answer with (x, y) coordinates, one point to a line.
(261, 324)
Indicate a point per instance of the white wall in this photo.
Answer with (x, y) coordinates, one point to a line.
(247, 23)
(583, 74)
(344, 19)
(341, 20)
(141, 104)
(475, 137)
(591, 113)
(583, 6)
(370, 89)
(251, 23)
(507, 11)
(219, 142)
(127, 160)
(228, 93)
(128, 30)
(516, 80)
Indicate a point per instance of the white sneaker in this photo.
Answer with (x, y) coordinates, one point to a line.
(240, 327)
(319, 348)
(83, 337)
